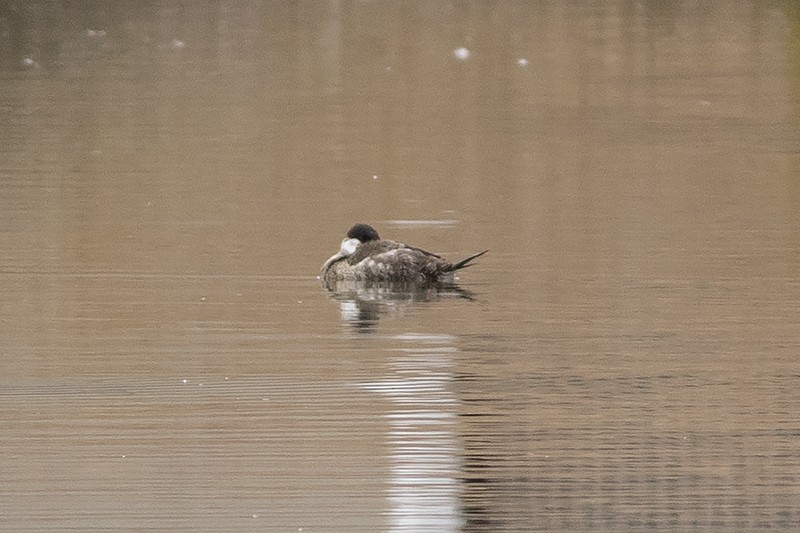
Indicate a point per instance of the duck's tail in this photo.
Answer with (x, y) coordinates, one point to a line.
(464, 263)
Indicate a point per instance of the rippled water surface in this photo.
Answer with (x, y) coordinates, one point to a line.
(626, 356)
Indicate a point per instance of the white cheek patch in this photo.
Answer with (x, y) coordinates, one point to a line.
(349, 247)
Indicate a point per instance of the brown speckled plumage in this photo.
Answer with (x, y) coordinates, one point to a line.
(375, 259)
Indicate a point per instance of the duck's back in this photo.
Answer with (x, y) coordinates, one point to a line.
(393, 261)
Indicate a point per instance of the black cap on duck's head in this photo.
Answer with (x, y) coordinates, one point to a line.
(363, 232)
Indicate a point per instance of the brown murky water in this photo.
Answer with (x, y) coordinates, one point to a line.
(626, 357)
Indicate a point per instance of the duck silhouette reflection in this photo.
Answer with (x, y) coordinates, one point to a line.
(364, 303)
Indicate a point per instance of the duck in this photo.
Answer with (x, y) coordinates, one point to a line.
(364, 256)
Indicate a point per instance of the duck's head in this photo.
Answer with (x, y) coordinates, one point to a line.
(363, 232)
(356, 235)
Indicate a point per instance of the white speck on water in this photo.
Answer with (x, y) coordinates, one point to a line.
(29, 62)
(703, 102)
(522, 62)
(177, 43)
(461, 53)
(374, 176)
(95, 33)
(255, 516)
(202, 298)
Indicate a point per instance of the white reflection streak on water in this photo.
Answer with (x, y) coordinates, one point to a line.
(423, 489)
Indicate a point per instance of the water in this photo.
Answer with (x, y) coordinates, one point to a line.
(624, 357)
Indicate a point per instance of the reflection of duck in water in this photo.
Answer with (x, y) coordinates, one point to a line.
(364, 256)
(363, 303)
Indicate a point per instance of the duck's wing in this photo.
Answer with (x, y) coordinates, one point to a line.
(392, 260)
(373, 249)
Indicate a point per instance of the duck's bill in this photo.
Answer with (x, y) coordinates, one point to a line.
(335, 257)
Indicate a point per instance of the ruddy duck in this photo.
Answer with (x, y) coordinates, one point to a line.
(364, 256)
